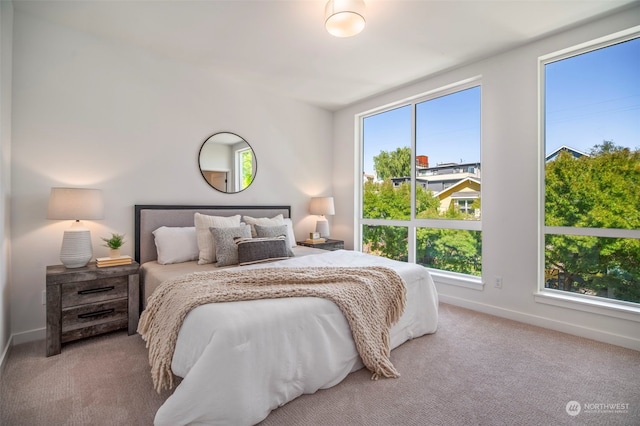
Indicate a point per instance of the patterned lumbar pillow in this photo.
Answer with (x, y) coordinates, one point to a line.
(255, 250)
(226, 250)
(274, 231)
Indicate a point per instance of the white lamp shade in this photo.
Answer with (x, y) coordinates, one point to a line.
(322, 206)
(75, 204)
(344, 18)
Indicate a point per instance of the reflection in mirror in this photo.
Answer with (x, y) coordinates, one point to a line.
(227, 162)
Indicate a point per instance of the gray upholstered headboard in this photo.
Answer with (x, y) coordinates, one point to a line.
(150, 217)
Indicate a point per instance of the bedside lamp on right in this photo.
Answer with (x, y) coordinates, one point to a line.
(322, 206)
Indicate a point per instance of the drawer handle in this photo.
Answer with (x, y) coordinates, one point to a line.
(97, 313)
(96, 290)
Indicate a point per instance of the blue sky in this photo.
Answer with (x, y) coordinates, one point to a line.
(589, 98)
(594, 97)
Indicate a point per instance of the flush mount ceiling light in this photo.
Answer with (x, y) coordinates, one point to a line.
(344, 18)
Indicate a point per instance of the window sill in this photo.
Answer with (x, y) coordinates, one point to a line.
(459, 280)
(622, 310)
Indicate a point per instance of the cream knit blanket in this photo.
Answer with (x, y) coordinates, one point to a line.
(371, 299)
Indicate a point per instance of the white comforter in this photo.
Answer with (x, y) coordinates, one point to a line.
(240, 360)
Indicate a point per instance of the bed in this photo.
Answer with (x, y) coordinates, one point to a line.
(239, 360)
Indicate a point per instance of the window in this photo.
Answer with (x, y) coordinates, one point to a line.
(420, 195)
(591, 242)
(244, 168)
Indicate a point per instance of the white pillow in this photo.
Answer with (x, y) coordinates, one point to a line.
(262, 221)
(176, 244)
(206, 244)
(290, 234)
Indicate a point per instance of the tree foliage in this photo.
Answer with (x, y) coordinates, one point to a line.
(393, 164)
(601, 190)
(450, 250)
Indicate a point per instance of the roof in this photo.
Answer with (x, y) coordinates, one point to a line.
(564, 148)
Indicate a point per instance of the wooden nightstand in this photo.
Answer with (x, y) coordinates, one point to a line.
(83, 302)
(330, 245)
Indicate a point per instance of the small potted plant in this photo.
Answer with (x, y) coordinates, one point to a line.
(114, 243)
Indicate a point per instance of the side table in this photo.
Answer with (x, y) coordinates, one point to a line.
(88, 301)
(330, 245)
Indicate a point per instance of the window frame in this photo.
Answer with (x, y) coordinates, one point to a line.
(439, 276)
(576, 301)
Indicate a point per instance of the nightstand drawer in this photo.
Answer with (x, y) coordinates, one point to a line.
(96, 313)
(84, 292)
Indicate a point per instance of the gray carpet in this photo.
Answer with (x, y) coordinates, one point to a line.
(476, 370)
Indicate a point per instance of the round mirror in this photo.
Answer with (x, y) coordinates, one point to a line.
(227, 162)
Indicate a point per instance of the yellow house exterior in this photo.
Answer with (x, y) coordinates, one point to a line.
(461, 195)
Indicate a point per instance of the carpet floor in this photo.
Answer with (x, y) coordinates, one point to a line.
(476, 370)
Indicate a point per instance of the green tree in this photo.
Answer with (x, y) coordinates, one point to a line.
(393, 164)
(387, 241)
(383, 201)
(601, 190)
(450, 250)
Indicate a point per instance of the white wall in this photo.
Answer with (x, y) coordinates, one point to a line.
(509, 148)
(91, 112)
(216, 156)
(6, 28)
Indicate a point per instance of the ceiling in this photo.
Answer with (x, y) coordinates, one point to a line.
(283, 46)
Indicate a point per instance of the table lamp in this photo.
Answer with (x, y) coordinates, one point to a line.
(76, 204)
(322, 206)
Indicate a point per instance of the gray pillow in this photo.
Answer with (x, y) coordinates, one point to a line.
(274, 231)
(226, 250)
(257, 250)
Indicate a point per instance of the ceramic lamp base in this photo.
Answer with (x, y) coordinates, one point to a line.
(76, 249)
(322, 227)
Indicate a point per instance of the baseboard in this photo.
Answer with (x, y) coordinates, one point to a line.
(16, 339)
(29, 336)
(576, 330)
(5, 355)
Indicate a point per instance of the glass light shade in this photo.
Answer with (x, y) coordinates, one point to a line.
(344, 18)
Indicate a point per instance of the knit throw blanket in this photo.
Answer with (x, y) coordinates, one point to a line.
(371, 299)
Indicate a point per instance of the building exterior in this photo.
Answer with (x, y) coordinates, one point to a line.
(574, 152)
(457, 183)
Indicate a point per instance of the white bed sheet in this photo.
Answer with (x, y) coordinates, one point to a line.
(240, 360)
